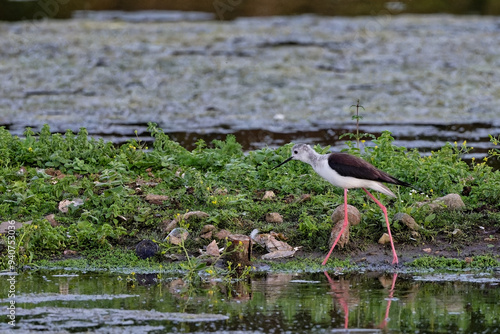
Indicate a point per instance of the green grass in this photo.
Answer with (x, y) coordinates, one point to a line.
(41, 170)
(116, 260)
(306, 265)
(476, 262)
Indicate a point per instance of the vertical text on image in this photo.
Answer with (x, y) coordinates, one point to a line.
(11, 254)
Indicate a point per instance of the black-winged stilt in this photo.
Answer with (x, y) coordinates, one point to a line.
(348, 171)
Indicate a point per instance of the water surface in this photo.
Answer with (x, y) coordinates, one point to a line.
(428, 79)
(75, 302)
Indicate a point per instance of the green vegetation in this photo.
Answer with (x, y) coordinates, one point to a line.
(41, 170)
(306, 265)
(482, 262)
(116, 260)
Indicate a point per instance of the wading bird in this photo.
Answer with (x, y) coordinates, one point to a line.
(348, 171)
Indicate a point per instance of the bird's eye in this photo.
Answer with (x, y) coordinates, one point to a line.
(295, 152)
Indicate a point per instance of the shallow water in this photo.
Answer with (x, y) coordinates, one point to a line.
(428, 79)
(99, 302)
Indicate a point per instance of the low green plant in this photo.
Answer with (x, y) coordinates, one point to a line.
(40, 171)
(358, 136)
(193, 267)
(433, 262)
(298, 265)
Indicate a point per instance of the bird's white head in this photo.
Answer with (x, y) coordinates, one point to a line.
(302, 152)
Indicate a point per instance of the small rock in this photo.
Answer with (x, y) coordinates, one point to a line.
(54, 173)
(207, 235)
(7, 225)
(452, 201)
(141, 183)
(168, 225)
(384, 239)
(269, 241)
(51, 219)
(344, 238)
(207, 231)
(222, 234)
(279, 254)
(407, 220)
(457, 232)
(468, 260)
(289, 199)
(63, 205)
(274, 217)
(213, 249)
(177, 236)
(70, 253)
(268, 195)
(427, 250)
(146, 249)
(156, 199)
(197, 214)
(353, 215)
(220, 191)
(207, 228)
(305, 198)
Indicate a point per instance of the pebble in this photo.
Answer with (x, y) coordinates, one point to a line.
(146, 249)
(274, 218)
(384, 239)
(353, 215)
(268, 195)
(407, 220)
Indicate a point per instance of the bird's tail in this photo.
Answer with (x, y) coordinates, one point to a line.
(377, 186)
(405, 184)
(385, 190)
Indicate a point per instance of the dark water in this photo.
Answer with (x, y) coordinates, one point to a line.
(65, 302)
(229, 9)
(423, 137)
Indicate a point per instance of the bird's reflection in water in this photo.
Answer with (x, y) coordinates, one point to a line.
(340, 292)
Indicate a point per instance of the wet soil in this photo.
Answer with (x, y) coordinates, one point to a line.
(375, 257)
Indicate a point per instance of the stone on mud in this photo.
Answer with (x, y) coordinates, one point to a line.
(274, 217)
(384, 239)
(353, 215)
(407, 220)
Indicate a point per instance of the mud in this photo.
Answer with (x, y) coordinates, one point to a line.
(378, 258)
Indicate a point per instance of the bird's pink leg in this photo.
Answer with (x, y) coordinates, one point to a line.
(346, 222)
(394, 255)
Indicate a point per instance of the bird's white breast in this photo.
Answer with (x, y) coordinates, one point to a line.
(329, 174)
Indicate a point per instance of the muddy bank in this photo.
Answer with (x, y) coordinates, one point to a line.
(277, 73)
(377, 258)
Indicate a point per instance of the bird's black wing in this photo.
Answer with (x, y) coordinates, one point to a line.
(350, 165)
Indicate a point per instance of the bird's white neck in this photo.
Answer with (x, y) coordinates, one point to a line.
(313, 158)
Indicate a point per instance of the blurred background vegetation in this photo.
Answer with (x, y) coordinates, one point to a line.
(12, 10)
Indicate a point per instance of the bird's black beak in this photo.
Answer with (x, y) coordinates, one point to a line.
(284, 162)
